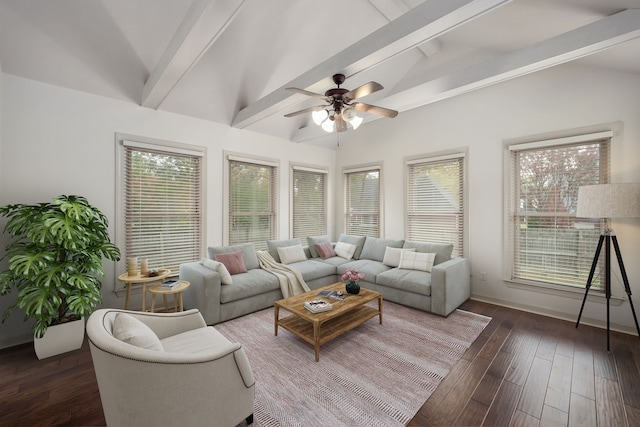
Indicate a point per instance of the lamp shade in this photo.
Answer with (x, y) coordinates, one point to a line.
(319, 116)
(609, 201)
(327, 125)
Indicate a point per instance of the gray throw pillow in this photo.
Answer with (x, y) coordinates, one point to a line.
(374, 248)
(313, 241)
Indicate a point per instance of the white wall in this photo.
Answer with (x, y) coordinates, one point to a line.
(57, 141)
(557, 99)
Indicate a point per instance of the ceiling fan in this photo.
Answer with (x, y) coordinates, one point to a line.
(340, 108)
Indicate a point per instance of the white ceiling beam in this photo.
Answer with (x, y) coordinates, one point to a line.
(392, 9)
(587, 40)
(205, 21)
(426, 21)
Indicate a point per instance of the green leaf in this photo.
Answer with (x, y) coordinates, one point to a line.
(55, 258)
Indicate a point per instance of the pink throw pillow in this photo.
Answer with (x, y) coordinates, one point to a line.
(234, 261)
(325, 250)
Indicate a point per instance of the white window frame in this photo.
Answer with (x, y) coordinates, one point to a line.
(260, 161)
(566, 138)
(345, 180)
(434, 158)
(298, 167)
(171, 148)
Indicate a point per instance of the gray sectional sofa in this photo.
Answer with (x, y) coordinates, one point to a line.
(440, 290)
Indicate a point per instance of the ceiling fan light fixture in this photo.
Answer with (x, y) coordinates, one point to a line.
(328, 125)
(355, 122)
(340, 110)
(319, 116)
(348, 114)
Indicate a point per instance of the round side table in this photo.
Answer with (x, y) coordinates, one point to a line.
(163, 273)
(157, 289)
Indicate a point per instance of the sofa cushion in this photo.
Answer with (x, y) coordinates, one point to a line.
(325, 250)
(442, 250)
(354, 240)
(195, 341)
(334, 260)
(248, 253)
(273, 245)
(225, 276)
(416, 261)
(392, 256)
(245, 285)
(415, 281)
(313, 241)
(370, 268)
(345, 250)
(233, 261)
(313, 269)
(291, 254)
(374, 247)
(128, 329)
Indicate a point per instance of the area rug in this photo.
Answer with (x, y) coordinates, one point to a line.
(373, 375)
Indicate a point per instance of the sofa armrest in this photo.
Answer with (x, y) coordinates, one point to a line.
(203, 292)
(450, 285)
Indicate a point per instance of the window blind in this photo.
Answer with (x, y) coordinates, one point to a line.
(252, 203)
(435, 201)
(162, 206)
(362, 202)
(549, 244)
(309, 203)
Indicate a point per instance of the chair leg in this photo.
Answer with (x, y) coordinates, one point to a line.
(249, 419)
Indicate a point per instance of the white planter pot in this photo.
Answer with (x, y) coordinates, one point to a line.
(59, 339)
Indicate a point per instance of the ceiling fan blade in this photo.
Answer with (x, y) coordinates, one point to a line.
(381, 111)
(341, 125)
(306, 110)
(306, 92)
(361, 91)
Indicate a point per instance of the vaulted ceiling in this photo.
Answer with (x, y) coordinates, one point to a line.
(229, 61)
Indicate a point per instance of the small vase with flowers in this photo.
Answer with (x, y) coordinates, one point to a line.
(351, 278)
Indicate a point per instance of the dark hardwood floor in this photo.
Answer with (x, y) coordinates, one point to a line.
(530, 370)
(523, 370)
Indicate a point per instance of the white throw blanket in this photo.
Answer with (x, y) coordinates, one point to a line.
(291, 281)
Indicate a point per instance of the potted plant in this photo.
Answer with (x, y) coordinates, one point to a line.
(55, 259)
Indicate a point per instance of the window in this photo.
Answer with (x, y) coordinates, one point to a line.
(362, 202)
(252, 201)
(548, 244)
(161, 202)
(435, 200)
(309, 202)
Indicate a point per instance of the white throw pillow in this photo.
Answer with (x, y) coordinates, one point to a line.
(345, 250)
(128, 329)
(290, 254)
(392, 256)
(225, 277)
(416, 261)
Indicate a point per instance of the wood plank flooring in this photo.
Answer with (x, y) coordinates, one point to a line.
(523, 370)
(531, 370)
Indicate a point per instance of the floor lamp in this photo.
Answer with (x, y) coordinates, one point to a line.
(609, 201)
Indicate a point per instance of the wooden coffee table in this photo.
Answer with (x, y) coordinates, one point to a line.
(320, 328)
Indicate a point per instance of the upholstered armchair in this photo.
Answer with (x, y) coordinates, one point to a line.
(168, 369)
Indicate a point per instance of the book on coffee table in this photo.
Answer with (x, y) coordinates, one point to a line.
(337, 295)
(317, 306)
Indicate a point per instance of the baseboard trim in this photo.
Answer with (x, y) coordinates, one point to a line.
(626, 329)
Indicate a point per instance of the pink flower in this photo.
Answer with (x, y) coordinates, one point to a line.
(352, 276)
